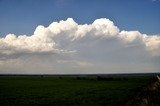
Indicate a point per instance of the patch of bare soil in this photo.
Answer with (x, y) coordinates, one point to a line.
(147, 96)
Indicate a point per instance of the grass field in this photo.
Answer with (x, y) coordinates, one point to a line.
(36, 90)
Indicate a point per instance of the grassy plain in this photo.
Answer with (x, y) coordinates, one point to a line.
(55, 90)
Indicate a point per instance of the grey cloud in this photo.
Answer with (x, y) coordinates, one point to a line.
(67, 47)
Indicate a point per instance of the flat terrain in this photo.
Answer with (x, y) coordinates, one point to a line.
(60, 90)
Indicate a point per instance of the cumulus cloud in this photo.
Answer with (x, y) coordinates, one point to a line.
(67, 47)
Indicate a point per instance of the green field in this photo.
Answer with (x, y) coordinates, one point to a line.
(51, 90)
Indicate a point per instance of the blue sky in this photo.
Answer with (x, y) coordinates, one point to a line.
(23, 16)
(130, 45)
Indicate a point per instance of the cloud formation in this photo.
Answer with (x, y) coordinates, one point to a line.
(67, 47)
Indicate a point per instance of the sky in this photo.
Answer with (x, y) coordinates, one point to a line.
(79, 36)
(26, 15)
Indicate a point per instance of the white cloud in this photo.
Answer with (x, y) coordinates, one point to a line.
(67, 46)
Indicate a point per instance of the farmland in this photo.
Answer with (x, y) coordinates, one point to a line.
(68, 90)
